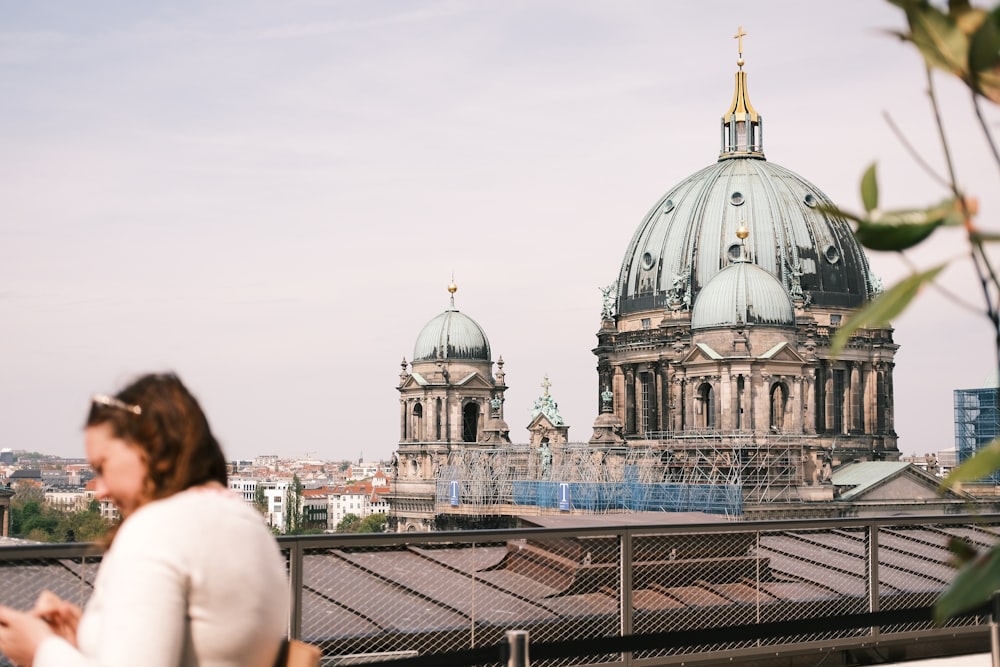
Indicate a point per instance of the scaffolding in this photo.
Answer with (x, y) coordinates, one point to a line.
(705, 472)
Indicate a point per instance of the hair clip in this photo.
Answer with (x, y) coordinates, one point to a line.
(112, 402)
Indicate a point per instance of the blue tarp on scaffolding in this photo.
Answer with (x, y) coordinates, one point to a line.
(630, 495)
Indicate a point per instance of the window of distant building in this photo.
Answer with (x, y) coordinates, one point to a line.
(646, 323)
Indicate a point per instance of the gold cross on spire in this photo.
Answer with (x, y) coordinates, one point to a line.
(739, 37)
(546, 384)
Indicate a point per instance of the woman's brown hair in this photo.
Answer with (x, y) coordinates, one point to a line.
(157, 414)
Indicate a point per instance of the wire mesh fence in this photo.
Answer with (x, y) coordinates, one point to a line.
(365, 598)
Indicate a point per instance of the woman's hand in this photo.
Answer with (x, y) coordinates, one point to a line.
(20, 635)
(63, 617)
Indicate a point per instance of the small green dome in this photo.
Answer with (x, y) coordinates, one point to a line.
(452, 335)
(742, 293)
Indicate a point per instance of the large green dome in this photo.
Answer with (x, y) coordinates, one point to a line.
(690, 234)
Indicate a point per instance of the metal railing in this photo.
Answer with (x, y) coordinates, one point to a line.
(375, 598)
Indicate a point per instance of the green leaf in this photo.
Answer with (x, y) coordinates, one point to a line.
(881, 236)
(899, 230)
(938, 37)
(984, 57)
(880, 311)
(973, 585)
(984, 47)
(869, 189)
(985, 462)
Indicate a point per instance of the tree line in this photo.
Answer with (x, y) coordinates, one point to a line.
(31, 518)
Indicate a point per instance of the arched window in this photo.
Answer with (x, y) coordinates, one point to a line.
(470, 421)
(706, 402)
(418, 422)
(779, 403)
(437, 421)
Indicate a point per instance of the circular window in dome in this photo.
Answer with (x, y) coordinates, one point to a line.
(648, 261)
(832, 254)
(733, 252)
(736, 199)
(668, 206)
(810, 200)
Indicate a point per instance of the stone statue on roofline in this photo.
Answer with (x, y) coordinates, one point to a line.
(608, 296)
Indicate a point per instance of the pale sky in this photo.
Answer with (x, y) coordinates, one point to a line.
(271, 198)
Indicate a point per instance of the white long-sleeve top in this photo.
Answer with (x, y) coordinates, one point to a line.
(195, 580)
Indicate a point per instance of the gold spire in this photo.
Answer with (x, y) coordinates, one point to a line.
(741, 124)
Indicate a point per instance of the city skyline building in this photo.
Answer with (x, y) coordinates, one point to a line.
(977, 423)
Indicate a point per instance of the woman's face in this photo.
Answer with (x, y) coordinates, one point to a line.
(119, 466)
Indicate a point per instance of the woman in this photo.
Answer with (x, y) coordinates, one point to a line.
(192, 575)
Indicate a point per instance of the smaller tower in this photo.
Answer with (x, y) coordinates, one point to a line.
(448, 400)
(547, 431)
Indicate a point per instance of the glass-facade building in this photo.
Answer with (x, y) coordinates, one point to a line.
(977, 423)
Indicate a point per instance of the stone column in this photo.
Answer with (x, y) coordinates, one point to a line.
(858, 397)
(663, 391)
(793, 413)
(848, 398)
(727, 401)
(656, 400)
(631, 420)
(890, 411)
(761, 402)
(866, 397)
(676, 405)
(828, 396)
(809, 401)
(640, 415)
(690, 397)
(618, 388)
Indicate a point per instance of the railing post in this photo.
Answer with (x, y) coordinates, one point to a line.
(517, 648)
(295, 584)
(995, 629)
(627, 600)
(874, 601)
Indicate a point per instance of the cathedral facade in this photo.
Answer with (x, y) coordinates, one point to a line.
(714, 364)
(716, 338)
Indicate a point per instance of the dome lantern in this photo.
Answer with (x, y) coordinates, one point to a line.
(742, 126)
